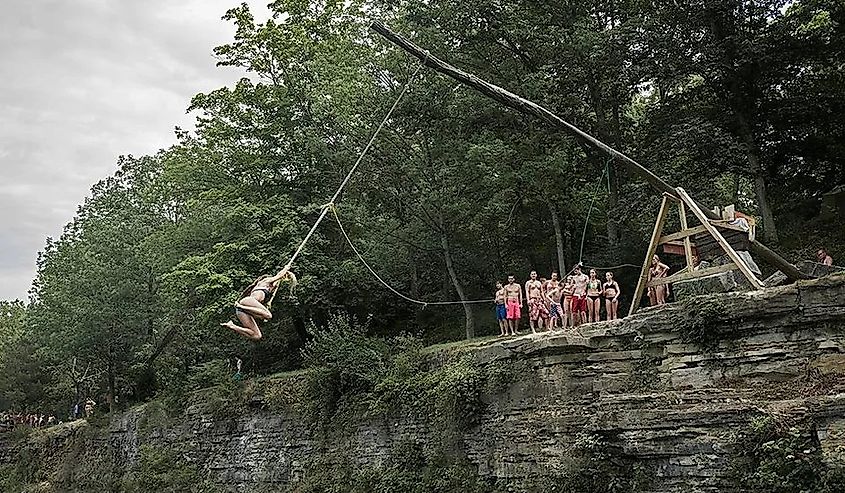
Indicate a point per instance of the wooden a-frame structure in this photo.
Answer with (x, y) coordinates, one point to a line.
(708, 227)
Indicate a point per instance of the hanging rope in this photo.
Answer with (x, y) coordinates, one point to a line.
(325, 208)
(384, 283)
(590, 210)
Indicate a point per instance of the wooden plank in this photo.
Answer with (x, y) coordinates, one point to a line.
(687, 275)
(652, 248)
(686, 232)
(714, 248)
(722, 242)
(687, 243)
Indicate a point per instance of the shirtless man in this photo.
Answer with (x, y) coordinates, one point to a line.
(537, 310)
(501, 309)
(513, 304)
(579, 296)
(823, 257)
(552, 283)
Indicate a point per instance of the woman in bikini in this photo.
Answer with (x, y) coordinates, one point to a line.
(252, 304)
(657, 294)
(611, 293)
(593, 297)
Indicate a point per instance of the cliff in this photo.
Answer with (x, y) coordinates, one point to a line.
(718, 393)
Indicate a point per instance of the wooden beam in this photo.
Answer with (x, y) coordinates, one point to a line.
(527, 107)
(652, 247)
(687, 232)
(719, 238)
(687, 275)
(776, 260)
(687, 243)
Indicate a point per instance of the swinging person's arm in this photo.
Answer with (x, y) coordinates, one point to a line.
(274, 279)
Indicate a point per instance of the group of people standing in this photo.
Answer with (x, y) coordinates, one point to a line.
(33, 420)
(554, 304)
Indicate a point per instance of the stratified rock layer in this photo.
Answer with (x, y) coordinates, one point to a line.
(667, 389)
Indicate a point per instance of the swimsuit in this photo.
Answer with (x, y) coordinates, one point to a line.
(267, 292)
(501, 311)
(608, 286)
(555, 310)
(594, 285)
(537, 309)
(579, 303)
(513, 311)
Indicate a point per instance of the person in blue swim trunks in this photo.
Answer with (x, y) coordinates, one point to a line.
(501, 309)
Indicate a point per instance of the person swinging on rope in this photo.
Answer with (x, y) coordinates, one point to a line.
(255, 301)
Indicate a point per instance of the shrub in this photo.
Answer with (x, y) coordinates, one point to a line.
(344, 349)
(164, 471)
(780, 456)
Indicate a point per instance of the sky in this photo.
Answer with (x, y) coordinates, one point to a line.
(82, 83)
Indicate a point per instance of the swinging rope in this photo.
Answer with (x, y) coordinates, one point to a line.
(385, 284)
(590, 210)
(325, 208)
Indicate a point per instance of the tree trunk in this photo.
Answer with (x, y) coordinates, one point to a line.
(453, 276)
(111, 386)
(769, 229)
(561, 262)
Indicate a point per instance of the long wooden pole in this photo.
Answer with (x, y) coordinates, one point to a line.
(652, 249)
(525, 106)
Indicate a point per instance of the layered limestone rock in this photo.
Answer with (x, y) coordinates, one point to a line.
(667, 390)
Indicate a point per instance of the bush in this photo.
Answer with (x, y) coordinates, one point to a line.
(409, 471)
(164, 471)
(595, 468)
(778, 456)
(344, 349)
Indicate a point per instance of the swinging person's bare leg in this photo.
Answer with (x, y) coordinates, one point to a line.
(250, 328)
(254, 307)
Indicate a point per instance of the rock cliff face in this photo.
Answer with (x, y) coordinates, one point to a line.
(666, 391)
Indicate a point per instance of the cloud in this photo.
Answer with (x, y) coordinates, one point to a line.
(84, 82)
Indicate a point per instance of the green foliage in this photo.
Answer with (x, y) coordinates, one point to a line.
(595, 468)
(703, 322)
(343, 349)
(165, 470)
(409, 470)
(775, 456)
(644, 373)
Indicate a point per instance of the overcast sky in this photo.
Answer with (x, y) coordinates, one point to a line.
(81, 83)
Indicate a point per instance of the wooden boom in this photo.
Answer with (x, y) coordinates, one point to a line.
(527, 107)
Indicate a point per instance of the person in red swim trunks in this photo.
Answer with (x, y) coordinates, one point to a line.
(579, 296)
(513, 304)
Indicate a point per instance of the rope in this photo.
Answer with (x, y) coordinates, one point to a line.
(613, 267)
(331, 202)
(388, 286)
(590, 210)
